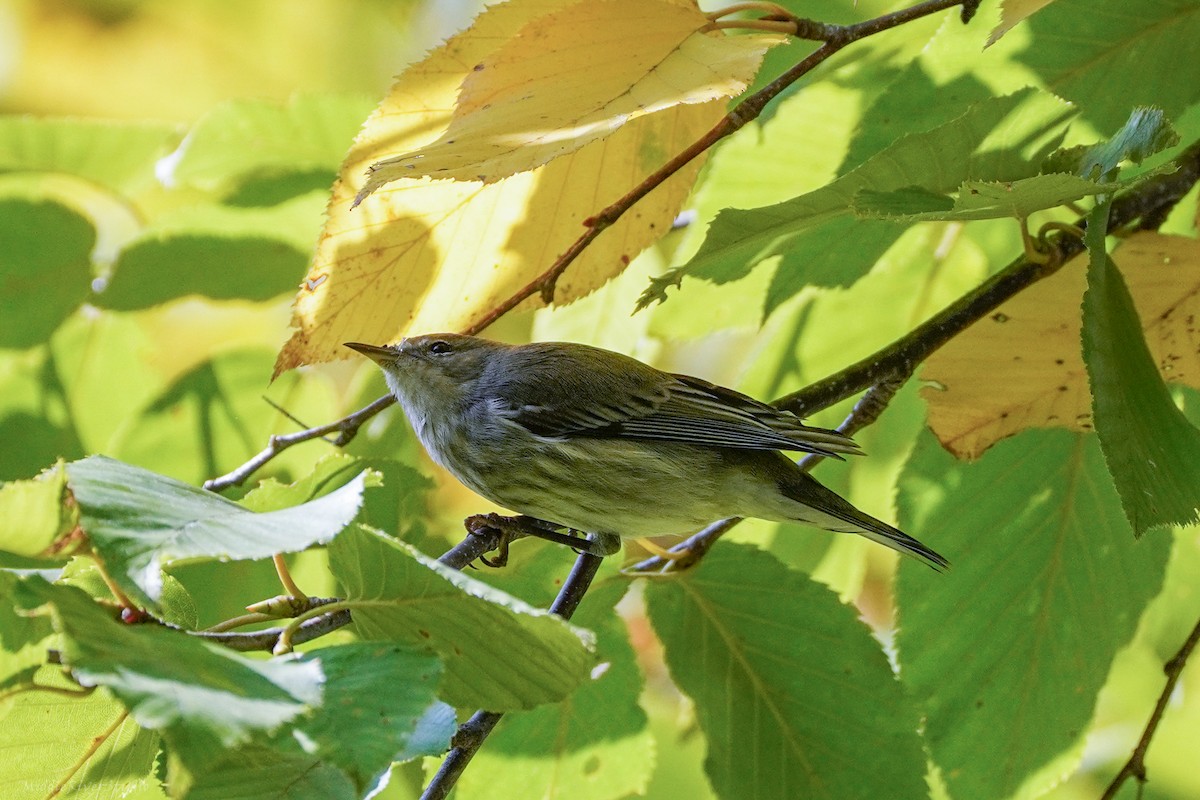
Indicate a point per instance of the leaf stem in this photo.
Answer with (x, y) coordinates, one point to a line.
(285, 578)
(284, 642)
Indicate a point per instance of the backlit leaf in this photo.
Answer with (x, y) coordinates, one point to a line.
(1020, 367)
(137, 520)
(420, 255)
(574, 76)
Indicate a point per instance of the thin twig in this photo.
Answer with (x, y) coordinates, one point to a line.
(1135, 767)
(347, 427)
(472, 733)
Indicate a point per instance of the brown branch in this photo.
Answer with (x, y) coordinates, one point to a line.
(346, 427)
(1144, 206)
(1135, 767)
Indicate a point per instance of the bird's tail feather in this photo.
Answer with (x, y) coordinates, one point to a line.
(837, 514)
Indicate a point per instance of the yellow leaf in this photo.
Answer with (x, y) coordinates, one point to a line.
(1012, 13)
(1021, 367)
(575, 76)
(423, 255)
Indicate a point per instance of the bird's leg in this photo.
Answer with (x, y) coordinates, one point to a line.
(491, 525)
(508, 529)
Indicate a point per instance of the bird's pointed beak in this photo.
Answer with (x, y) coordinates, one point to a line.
(373, 351)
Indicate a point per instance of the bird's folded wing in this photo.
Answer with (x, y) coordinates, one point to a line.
(676, 408)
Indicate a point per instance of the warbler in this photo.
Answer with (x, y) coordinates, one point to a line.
(601, 443)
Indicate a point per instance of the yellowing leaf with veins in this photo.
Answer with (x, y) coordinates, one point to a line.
(1021, 367)
(1012, 13)
(422, 255)
(575, 76)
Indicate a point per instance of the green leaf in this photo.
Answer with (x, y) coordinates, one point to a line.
(1152, 451)
(218, 252)
(1145, 133)
(244, 137)
(594, 745)
(981, 199)
(120, 156)
(378, 696)
(201, 696)
(331, 472)
(23, 640)
(212, 417)
(939, 160)
(912, 103)
(794, 695)
(45, 268)
(137, 520)
(72, 744)
(397, 594)
(1111, 59)
(258, 772)
(1007, 651)
(33, 514)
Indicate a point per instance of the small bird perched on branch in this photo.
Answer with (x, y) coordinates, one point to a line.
(601, 443)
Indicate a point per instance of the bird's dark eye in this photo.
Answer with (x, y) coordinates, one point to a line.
(440, 348)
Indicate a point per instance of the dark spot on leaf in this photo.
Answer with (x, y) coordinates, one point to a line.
(999, 317)
(424, 634)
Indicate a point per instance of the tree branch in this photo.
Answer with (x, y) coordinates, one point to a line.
(1135, 767)
(1146, 203)
(347, 427)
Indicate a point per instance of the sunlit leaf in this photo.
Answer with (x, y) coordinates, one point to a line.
(421, 256)
(242, 137)
(1013, 12)
(137, 520)
(45, 268)
(541, 95)
(938, 160)
(201, 695)
(92, 748)
(119, 156)
(34, 515)
(400, 595)
(1104, 59)
(592, 746)
(217, 252)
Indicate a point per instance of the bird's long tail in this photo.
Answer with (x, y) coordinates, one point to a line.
(827, 510)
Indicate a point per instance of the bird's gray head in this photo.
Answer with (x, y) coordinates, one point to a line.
(432, 367)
